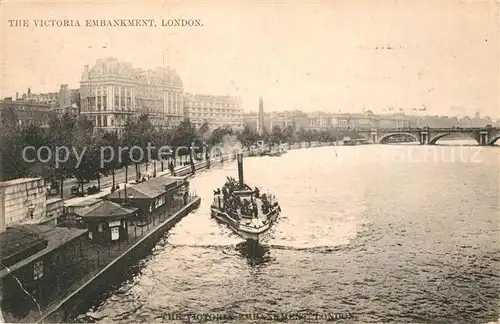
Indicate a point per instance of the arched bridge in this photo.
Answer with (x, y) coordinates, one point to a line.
(483, 135)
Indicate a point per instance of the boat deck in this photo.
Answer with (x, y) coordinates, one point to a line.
(249, 220)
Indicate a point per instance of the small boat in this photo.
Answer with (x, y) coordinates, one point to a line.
(362, 141)
(347, 141)
(276, 151)
(246, 211)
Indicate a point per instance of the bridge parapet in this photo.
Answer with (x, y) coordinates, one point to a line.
(426, 135)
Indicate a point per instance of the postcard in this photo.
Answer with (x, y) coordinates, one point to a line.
(249, 161)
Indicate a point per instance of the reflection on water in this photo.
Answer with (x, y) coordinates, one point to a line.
(256, 254)
(376, 230)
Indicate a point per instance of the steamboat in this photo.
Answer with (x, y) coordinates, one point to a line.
(246, 211)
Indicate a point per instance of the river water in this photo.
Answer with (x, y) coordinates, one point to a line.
(390, 233)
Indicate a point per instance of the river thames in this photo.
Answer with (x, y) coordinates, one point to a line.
(390, 233)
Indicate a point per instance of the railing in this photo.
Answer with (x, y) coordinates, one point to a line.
(444, 129)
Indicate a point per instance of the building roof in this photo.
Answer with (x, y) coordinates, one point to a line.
(24, 103)
(55, 236)
(110, 209)
(17, 181)
(19, 242)
(113, 67)
(149, 189)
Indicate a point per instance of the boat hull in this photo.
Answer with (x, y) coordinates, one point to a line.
(244, 231)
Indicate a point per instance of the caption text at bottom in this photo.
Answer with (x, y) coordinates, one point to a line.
(258, 316)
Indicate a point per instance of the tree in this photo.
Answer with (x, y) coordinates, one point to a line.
(34, 136)
(301, 135)
(12, 165)
(163, 138)
(288, 135)
(126, 141)
(308, 137)
(61, 135)
(110, 143)
(276, 135)
(185, 136)
(83, 141)
(136, 133)
(204, 131)
(248, 137)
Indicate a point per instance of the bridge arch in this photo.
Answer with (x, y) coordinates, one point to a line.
(384, 138)
(436, 138)
(494, 139)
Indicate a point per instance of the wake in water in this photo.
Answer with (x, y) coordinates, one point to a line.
(225, 247)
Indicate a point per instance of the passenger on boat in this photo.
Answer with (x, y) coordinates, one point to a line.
(243, 206)
(265, 209)
(225, 193)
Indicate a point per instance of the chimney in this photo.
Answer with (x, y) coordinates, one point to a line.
(85, 74)
(17, 96)
(240, 170)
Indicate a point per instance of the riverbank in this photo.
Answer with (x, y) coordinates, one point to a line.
(95, 270)
(100, 264)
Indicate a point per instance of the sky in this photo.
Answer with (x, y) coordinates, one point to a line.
(331, 56)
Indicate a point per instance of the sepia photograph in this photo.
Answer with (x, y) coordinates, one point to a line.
(250, 161)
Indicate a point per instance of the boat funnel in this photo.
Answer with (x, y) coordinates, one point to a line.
(240, 169)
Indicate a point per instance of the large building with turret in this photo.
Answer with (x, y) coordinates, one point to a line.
(112, 91)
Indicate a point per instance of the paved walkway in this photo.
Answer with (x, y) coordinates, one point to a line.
(106, 190)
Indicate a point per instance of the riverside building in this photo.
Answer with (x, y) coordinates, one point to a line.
(326, 121)
(217, 111)
(27, 112)
(112, 91)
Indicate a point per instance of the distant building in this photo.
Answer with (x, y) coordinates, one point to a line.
(50, 98)
(217, 111)
(27, 112)
(35, 109)
(324, 121)
(112, 91)
(250, 120)
(321, 120)
(68, 101)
